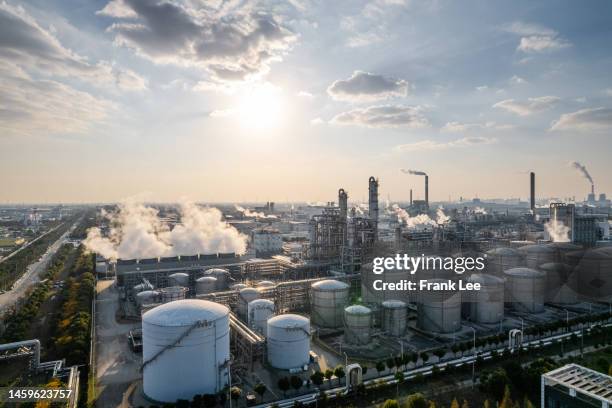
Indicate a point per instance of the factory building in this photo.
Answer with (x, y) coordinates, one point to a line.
(266, 241)
(574, 386)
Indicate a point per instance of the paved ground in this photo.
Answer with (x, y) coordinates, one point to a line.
(32, 274)
(117, 367)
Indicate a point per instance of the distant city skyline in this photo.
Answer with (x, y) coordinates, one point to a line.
(289, 101)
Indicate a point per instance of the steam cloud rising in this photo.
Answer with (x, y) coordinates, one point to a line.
(582, 170)
(137, 232)
(414, 172)
(557, 230)
(254, 214)
(421, 221)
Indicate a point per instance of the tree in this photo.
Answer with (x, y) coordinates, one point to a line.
(296, 382)
(364, 370)
(390, 403)
(235, 393)
(329, 374)
(317, 378)
(380, 367)
(284, 385)
(455, 403)
(339, 372)
(210, 400)
(495, 383)
(465, 404)
(416, 401)
(399, 376)
(439, 353)
(424, 357)
(260, 389)
(390, 363)
(507, 402)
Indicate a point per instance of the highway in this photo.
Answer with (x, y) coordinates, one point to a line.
(424, 370)
(33, 272)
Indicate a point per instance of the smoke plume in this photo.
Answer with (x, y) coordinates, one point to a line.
(442, 218)
(582, 170)
(414, 172)
(252, 214)
(136, 231)
(557, 230)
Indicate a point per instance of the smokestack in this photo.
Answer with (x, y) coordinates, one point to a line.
(373, 204)
(411, 197)
(343, 203)
(593, 189)
(427, 191)
(532, 189)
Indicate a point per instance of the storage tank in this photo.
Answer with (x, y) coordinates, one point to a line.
(141, 287)
(536, 255)
(245, 296)
(222, 275)
(178, 279)
(288, 341)
(525, 289)
(394, 317)
(238, 286)
(501, 259)
(205, 284)
(561, 283)
(265, 284)
(370, 295)
(186, 348)
(172, 293)
(562, 249)
(259, 311)
(147, 297)
(594, 271)
(357, 325)
(487, 304)
(329, 298)
(439, 311)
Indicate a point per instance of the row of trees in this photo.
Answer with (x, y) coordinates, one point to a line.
(19, 320)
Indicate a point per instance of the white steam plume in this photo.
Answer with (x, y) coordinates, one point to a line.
(252, 214)
(480, 210)
(442, 218)
(414, 172)
(557, 230)
(137, 232)
(421, 221)
(582, 170)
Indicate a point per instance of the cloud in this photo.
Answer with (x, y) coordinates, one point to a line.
(384, 116)
(232, 42)
(528, 107)
(517, 80)
(305, 94)
(317, 121)
(426, 145)
(458, 127)
(536, 38)
(364, 86)
(591, 119)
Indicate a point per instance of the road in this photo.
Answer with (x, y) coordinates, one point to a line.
(32, 274)
(424, 370)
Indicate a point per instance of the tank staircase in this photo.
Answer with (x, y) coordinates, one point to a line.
(200, 323)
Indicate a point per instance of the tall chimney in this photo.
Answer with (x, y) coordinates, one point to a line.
(427, 191)
(593, 189)
(411, 197)
(373, 204)
(343, 203)
(532, 191)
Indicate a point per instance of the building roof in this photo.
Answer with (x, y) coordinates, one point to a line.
(583, 380)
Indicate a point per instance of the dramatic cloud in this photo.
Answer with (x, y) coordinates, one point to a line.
(364, 86)
(536, 38)
(592, 119)
(231, 42)
(384, 116)
(528, 107)
(425, 145)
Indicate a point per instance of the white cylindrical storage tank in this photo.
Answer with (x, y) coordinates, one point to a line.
(172, 293)
(536, 255)
(222, 276)
(205, 284)
(329, 298)
(185, 350)
(265, 284)
(357, 324)
(394, 317)
(288, 341)
(245, 296)
(487, 304)
(525, 288)
(439, 311)
(561, 283)
(238, 286)
(178, 279)
(259, 311)
(501, 259)
(147, 297)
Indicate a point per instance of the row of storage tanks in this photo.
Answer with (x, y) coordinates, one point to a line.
(201, 357)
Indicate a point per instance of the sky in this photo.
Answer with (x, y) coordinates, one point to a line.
(227, 101)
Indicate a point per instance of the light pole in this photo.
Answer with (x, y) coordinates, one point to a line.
(474, 357)
(566, 320)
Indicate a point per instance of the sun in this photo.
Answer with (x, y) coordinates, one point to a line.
(261, 107)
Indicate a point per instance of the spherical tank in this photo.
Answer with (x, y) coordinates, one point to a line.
(178, 279)
(487, 304)
(259, 311)
(536, 255)
(329, 298)
(185, 350)
(525, 288)
(222, 276)
(394, 317)
(357, 324)
(288, 341)
(147, 297)
(245, 296)
(206, 284)
(439, 311)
